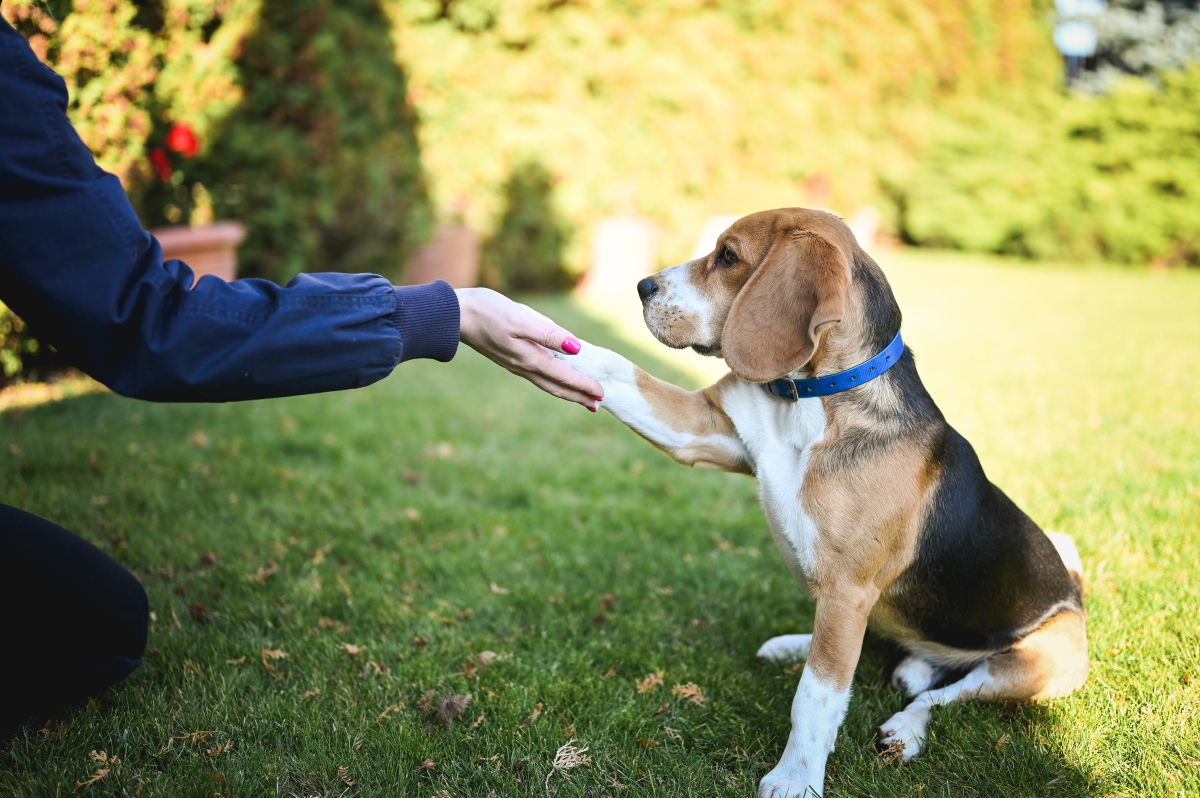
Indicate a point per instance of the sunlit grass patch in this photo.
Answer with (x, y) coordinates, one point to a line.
(365, 561)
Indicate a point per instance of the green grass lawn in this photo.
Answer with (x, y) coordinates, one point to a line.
(453, 510)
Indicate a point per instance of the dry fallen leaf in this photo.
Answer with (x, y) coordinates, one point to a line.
(537, 712)
(469, 670)
(412, 514)
(316, 691)
(645, 743)
(651, 681)
(216, 750)
(662, 709)
(891, 754)
(428, 764)
(566, 758)
(692, 692)
(486, 658)
(102, 758)
(396, 707)
(196, 737)
(478, 722)
(425, 703)
(607, 602)
(267, 653)
(610, 672)
(344, 776)
(419, 642)
(238, 661)
(351, 650)
(263, 573)
(199, 438)
(200, 612)
(99, 774)
(452, 707)
(500, 591)
(208, 558)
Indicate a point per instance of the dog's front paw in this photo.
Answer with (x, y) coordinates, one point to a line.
(785, 648)
(597, 362)
(786, 781)
(905, 731)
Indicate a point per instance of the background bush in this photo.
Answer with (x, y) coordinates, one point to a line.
(299, 110)
(1115, 176)
(526, 253)
(319, 159)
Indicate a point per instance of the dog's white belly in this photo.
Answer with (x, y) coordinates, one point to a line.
(780, 436)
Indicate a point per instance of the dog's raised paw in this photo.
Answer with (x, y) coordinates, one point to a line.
(785, 648)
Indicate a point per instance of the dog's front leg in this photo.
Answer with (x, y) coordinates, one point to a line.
(823, 694)
(690, 426)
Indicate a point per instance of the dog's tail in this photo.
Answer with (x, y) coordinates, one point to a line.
(1065, 546)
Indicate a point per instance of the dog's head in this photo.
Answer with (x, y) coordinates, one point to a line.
(766, 298)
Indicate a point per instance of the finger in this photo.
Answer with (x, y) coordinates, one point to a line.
(560, 371)
(535, 327)
(561, 392)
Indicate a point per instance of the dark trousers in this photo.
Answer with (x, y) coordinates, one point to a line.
(72, 620)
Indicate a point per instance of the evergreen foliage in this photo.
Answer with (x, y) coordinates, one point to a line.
(294, 116)
(526, 251)
(319, 159)
(697, 107)
(1113, 177)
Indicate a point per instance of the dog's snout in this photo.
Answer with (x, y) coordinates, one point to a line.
(646, 288)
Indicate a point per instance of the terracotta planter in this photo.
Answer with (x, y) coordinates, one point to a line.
(208, 249)
(452, 255)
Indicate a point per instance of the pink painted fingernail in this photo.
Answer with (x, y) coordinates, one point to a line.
(592, 409)
(571, 346)
(598, 398)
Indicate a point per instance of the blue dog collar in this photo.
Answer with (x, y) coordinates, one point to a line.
(843, 380)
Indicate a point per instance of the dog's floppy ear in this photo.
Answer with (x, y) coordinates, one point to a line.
(795, 295)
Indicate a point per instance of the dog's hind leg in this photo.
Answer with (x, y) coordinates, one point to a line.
(1065, 546)
(915, 675)
(1050, 663)
(785, 648)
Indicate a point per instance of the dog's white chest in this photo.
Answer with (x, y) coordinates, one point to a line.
(780, 436)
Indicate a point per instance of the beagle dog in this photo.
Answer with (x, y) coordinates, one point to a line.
(879, 508)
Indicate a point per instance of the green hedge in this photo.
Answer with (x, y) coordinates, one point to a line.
(1113, 177)
(526, 252)
(291, 117)
(319, 159)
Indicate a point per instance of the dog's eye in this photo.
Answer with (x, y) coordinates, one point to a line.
(727, 257)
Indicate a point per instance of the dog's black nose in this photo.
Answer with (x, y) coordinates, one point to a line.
(646, 288)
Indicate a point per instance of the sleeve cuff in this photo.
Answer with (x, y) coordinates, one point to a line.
(426, 317)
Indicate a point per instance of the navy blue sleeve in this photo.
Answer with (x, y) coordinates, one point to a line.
(77, 266)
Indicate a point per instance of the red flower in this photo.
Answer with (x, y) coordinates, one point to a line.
(162, 163)
(182, 139)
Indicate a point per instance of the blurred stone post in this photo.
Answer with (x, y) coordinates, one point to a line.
(624, 250)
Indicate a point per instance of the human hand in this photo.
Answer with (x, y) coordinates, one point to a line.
(521, 340)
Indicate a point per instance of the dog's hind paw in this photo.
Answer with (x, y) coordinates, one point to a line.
(785, 648)
(904, 732)
(915, 675)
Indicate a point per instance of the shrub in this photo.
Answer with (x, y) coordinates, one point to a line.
(291, 117)
(1114, 177)
(526, 251)
(319, 159)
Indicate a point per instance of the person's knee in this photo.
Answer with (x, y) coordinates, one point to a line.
(128, 626)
